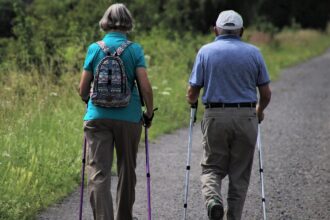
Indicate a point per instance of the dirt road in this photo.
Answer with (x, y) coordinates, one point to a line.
(296, 148)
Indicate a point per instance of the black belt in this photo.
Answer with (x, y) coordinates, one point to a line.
(231, 105)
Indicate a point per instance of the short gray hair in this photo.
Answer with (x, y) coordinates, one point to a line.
(117, 17)
(230, 32)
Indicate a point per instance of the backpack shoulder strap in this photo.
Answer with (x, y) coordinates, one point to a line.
(103, 46)
(122, 47)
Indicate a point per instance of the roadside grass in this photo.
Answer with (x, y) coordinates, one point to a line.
(41, 116)
(39, 144)
(292, 47)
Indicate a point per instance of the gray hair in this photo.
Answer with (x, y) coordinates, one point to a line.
(117, 17)
(230, 32)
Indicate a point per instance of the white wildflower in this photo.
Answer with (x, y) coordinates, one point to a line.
(165, 93)
(5, 154)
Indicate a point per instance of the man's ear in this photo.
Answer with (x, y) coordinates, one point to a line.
(216, 31)
(241, 32)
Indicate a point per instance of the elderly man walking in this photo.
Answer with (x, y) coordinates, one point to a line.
(229, 71)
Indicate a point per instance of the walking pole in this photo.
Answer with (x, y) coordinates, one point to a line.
(82, 179)
(147, 164)
(193, 111)
(261, 174)
(83, 173)
(148, 172)
(147, 152)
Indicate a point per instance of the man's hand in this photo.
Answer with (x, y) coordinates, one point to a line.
(192, 94)
(260, 114)
(265, 95)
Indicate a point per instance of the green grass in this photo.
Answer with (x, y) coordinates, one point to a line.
(41, 137)
(292, 47)
(41, 117)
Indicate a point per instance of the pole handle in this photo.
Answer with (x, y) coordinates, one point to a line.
(194, 106)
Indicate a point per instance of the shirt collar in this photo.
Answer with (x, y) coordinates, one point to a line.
(115, 34)
(227, 36)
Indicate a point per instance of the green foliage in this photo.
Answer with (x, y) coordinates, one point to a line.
(43, 29)
(40, 134)
(261, 24)
(44, 33)
(307, 13)
(6, 16)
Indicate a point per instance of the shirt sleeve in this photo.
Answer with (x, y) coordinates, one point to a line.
(263, 76)
(197, 74)
(140, 60)
(90, 57)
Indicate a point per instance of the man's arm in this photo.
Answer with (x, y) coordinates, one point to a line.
(265, 96)
(146, 89)
(192, 94)
(85, 85)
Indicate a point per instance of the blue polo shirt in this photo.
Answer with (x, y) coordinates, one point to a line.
(229, 70)
(133, 57)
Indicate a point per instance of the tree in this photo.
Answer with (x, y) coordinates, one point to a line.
(7, 15)
(307, 13)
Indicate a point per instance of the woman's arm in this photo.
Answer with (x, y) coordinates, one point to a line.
(85, 85)
(146, 89)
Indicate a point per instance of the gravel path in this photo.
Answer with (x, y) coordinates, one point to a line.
(295, 138)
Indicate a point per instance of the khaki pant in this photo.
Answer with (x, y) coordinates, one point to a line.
(229, 138)
(102, 136)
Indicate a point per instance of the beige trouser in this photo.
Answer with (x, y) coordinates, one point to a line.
(229, 138)
(102, 136)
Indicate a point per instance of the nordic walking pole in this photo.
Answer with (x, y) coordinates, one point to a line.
(261, 170)
(148, 172)
(83, 173)
(147, 153)
(147, 165)
(82, 179)
(193, 111)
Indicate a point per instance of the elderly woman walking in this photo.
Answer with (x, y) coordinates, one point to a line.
(107, 127)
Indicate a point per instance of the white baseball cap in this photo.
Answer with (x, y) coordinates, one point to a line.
(229, 20)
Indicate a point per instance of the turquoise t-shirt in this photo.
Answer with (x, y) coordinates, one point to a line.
(133, 57)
